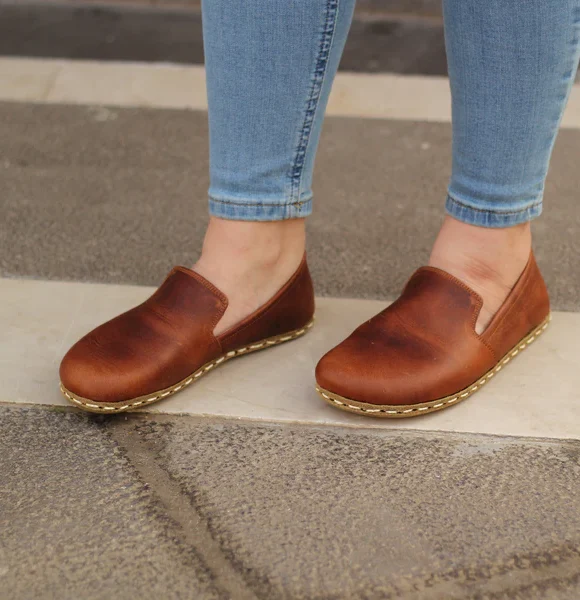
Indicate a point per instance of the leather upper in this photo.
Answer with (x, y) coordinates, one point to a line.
(424, 346)
(164, 340)
(526, 307)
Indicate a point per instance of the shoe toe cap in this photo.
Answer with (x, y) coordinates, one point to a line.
(348, 375)
(367, 374)
(86, 372)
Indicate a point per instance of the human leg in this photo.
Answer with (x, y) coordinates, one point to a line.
(511, 68)
(270, 67)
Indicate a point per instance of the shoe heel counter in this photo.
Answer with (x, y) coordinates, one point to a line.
(527, 307)
(294, 307)
(539, 297)
(308, 303)
(291, 309)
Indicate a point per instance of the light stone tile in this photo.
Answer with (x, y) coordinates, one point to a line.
(408, 97)
(130, 84)
(24, 80)
(159, 85)
(391, 96)
(537, 395)
(571, 118)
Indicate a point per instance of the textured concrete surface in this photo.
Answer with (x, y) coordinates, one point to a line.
(119, 195)
(76, 518)
(172, 507)
(385, 35)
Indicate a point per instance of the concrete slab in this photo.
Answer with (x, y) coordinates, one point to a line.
(27, 80)
(126, 84)
(170, 507)
(119, 195)
(538, 394)
(76, 518)
(328, 514)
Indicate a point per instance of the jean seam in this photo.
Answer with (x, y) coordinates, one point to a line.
(324, 49)
(242, 203)
(494, 211)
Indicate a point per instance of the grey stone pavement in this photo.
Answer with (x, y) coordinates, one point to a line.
(426, 8)
(387, 35)
(158, 507)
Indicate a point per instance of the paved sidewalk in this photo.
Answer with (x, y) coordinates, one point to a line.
(177, 507)
(430, 8)
(173, 506)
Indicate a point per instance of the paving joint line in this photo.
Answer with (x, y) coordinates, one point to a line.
(194, 529)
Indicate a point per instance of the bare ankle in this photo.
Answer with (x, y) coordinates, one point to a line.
(259, 244)
(249, 262)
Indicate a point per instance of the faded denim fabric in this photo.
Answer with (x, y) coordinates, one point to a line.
(270, 66)
(512, 64)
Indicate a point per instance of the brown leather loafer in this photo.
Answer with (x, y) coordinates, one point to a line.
(167, 343)
(422, 353)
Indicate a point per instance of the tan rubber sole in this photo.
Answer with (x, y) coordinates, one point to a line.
(117, 407)
(388, 411)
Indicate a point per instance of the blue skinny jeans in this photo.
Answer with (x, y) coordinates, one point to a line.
(270, 67)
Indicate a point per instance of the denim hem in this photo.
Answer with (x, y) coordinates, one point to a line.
(484, 217)
(259, 211)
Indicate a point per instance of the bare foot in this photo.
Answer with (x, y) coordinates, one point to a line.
(249, 262)
(489, 261)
